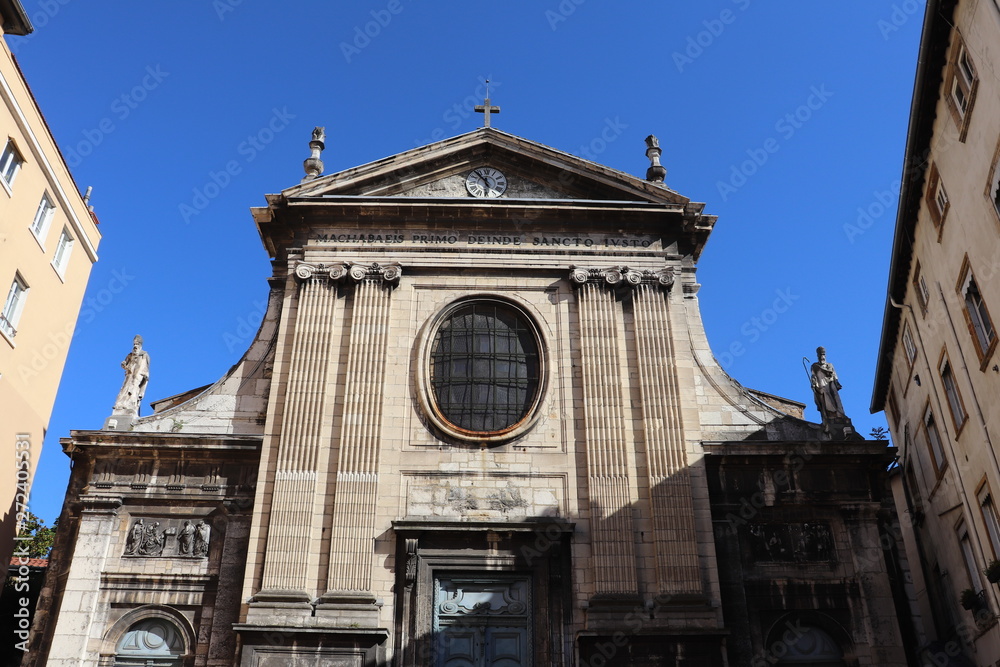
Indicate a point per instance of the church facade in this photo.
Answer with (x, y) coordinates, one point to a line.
(480, 425)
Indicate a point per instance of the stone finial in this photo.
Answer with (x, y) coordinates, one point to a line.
(313, 165)
(656, 172)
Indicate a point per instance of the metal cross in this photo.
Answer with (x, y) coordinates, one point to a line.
(486, 109)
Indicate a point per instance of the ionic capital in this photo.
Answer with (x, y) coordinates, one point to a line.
(622, 277)
(389, 273)
(375, 272)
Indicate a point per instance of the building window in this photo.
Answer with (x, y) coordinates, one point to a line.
(908, 346)
(962, 85)
(811, 646)
(990, 519)
(993, 185)
(151, 643)
(43, 216)
(933, 436)
(893, 407)
(61, 256)
(916, 501)
(977, 317)
(975, 581)
(937, 198)
(955, 405)
(13, 306)
(484, 367)
(920, 288)
(10, 163)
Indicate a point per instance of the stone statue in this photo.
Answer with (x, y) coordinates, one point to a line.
(319, 134)
(201, 539)
(134, 540)
(826, 389)
(185, 540)
(152, 541)
(136, 367)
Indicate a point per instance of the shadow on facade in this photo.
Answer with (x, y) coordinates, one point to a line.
(797, 558)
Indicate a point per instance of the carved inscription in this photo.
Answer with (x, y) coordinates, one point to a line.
(384, 237)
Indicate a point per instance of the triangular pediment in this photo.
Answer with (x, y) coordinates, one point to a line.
(533, 171)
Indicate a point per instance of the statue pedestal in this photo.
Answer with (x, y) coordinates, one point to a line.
(841, 429)
(120, 420)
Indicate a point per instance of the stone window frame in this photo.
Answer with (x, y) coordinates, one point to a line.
(952, 394)
(962, 83)
(909, 346)
(117, 631)
(820, 621)
(977, 317)
(972, 568)
(992, 191)
(893, 407)
(988, 513)
(915, 498)
(937, 200)
(425, 393)
(932, 436)
(920, 288)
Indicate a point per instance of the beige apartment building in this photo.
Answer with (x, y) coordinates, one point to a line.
(48, 243)
(938, 376)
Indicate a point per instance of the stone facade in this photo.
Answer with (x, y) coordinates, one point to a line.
(938, 368)
(483, 431)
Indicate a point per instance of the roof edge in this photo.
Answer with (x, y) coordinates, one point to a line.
(931, 58)
(15, 19)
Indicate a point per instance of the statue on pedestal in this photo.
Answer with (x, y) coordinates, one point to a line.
(136, 367)
(826, 389)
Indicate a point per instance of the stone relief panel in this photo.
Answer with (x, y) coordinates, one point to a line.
(491, 498)
(454, 186)
(174, 538)
(791, 542)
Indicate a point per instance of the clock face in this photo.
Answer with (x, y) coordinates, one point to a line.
(486, 182)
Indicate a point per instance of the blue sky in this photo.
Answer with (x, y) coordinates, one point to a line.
(788, 119)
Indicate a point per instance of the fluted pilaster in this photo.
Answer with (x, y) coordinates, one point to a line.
(292, 517)
(613, 532)
(669, 478)
(357, 468)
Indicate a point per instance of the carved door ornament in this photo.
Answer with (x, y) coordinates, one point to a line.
(481, 621)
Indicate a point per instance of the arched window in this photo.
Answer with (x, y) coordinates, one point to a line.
(485, 368)
(154, 642)
(809, 646)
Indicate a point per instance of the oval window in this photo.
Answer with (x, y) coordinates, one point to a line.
(484, 368)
